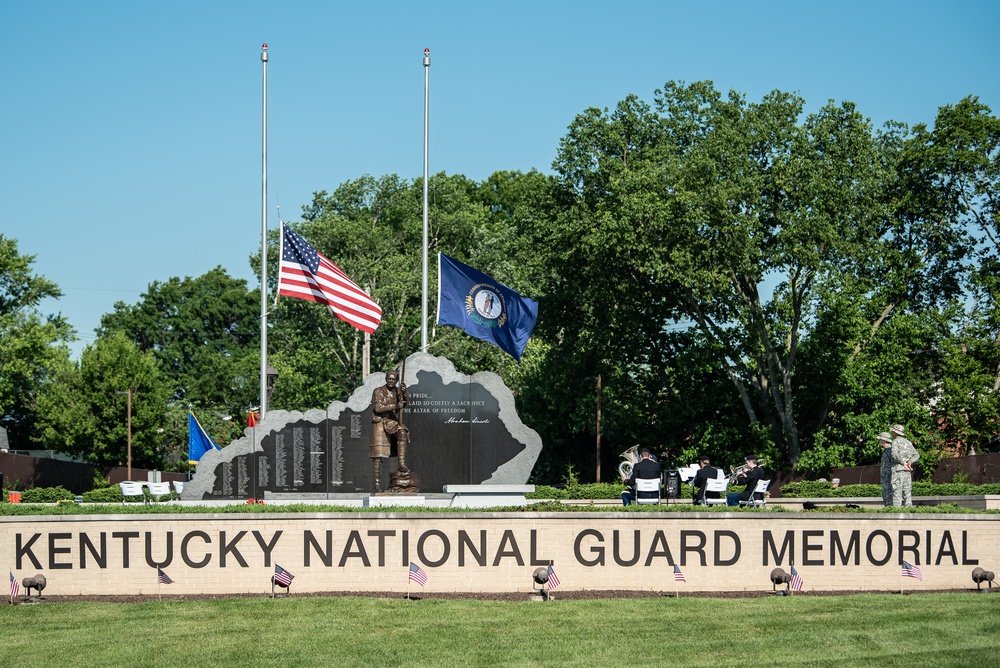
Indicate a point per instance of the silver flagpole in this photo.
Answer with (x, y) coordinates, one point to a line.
(423, 303)
(263, 244)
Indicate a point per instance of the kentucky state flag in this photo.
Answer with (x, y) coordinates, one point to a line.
(485, 309)
(199, 442)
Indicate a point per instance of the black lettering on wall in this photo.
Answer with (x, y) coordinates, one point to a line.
(87, 546)
(787, 544)
(597, 550)
(808, 546)
(381, 534)
(21, 551)
(837, 548)
(737, 547)
(869, 546)
(465, 542)
(57, 549)
(186, 556)
(616, 548)
(659, 539)
(325, 555)
(965, 551)
(267, 546)
(354, 538)
(152, 563)
(225, 548)
(504, 551)
(698, 549)
(535, 560)
(946, 548)
(905, 546)
(126, 536)
(446, 548)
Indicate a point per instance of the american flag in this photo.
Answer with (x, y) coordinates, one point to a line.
(678, 576)
(911, 571)
(15, 586)
(796, 580)
(553, 578)
(417, 574)
(162, 577)
(305, 274)
(282, 577)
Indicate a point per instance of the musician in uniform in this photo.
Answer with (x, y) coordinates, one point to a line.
(646, 468)
(701, 478)
(750, 477)
(387, 402)
(904, 456)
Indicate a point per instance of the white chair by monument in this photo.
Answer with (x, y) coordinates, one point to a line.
(759, 497)
(647, 490)
(132, 490)
(718, 485)
(158, 490)
(178, 488)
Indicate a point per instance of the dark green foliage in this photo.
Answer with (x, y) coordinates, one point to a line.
(46, 495)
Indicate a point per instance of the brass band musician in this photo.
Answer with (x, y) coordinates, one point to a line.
(751, 474)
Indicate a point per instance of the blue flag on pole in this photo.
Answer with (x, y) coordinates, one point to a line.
(199, 442)
(485, 309)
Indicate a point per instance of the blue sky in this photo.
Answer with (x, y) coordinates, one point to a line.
(132, 130)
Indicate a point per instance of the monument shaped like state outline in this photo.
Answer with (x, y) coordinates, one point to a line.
(464, 431)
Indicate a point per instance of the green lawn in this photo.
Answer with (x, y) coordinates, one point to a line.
(861, 630)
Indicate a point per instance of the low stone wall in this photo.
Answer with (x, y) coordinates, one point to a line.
(496, 552)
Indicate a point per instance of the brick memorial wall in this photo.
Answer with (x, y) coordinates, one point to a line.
(496, 552)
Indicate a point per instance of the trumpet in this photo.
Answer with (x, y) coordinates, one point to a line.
(736, 472)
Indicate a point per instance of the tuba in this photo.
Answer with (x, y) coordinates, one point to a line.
(629, 459)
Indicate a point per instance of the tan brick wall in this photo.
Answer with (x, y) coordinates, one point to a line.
(496, 552)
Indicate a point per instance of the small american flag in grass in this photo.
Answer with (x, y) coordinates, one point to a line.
(796, 582)
(678, 576)
(417, 574)
(911, 571)
(553, 578)
(282, 577)
(162, 577)
(15, 586)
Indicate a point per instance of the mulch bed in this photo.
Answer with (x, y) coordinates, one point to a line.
(481, 596)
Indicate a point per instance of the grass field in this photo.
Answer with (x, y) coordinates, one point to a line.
(957, 629)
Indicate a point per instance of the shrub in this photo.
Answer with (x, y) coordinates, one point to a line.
(46, 495)
(104, 495)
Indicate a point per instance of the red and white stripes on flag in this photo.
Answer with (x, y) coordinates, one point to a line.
(678, 576)
(796, 582)
(282, 577)
(417, 574)
(305, 274)
(553, 580)
(15, 586)
(911, 571)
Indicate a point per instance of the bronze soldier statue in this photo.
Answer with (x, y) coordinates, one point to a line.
(388, 402)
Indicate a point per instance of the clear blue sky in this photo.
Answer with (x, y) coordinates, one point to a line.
(131, 146)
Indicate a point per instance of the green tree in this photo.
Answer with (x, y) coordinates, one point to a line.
(204, 334)
(85, 410)
(32, 346)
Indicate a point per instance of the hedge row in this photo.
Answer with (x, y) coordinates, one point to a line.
(812, 489)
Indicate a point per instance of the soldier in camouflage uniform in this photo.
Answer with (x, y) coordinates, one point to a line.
(904, 456)
(885, 470)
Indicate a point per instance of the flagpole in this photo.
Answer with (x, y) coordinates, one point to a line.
(263, 239)
(423, 303)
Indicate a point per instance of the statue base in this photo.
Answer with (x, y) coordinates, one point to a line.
(403, 482)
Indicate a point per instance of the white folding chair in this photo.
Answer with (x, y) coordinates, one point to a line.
(158, 490)
(131, 489)
(178, 488)
(719, 485)
(647, 490)
(759, 497)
